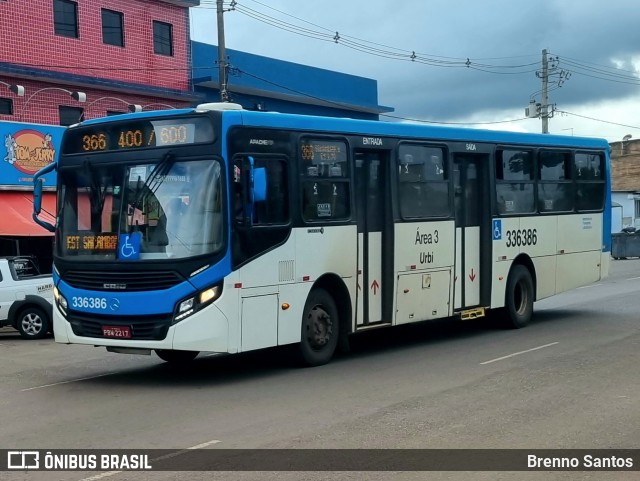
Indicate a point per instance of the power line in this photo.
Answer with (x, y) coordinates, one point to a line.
(579, 67)
(546, 74)
(597, 66)
(374, 43)
(342, 106)
(393, 53)
(372, 48)
(598, 120)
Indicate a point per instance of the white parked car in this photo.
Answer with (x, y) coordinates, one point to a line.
(26, 297)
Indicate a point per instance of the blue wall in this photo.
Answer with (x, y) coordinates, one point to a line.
(282, 86)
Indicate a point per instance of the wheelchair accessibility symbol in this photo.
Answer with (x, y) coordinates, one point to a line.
(497, 229)
(129, 246)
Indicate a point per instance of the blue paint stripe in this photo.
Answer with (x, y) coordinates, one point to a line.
(369, 128)
(129, 303)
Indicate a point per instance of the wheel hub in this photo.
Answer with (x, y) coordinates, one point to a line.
(31, 324)
(320, 327)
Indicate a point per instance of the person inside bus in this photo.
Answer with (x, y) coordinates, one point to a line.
(238, 208)
(204, 219)
(158, 239)
(433, 169)
(163, 236)
(241, 237)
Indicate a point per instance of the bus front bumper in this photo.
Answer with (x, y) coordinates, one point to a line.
(205, 330)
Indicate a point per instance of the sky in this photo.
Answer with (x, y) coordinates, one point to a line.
(475, 60)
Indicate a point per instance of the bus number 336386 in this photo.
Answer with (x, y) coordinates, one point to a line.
(522, 237)
(89, 302)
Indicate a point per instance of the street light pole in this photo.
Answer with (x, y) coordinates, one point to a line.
(84, 117)
(79, 96)
(159, 105)
(16, 89)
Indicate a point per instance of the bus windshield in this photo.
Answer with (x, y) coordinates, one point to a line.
(173, 208)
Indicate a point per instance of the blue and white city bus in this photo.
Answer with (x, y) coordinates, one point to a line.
(222, 230)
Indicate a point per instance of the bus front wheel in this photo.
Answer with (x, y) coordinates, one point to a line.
(320, 328)
(176, 357)
(519, 297)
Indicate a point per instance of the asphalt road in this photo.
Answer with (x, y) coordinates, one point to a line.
(569, 380)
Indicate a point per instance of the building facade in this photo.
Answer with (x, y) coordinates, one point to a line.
(62, 61)
(263, 83)
(79, 59)
(625, 184)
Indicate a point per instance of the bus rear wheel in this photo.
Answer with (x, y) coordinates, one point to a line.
(176, 357)
(518, 297)
(320, 328)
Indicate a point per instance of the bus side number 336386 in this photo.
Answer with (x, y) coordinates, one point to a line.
(521, 237)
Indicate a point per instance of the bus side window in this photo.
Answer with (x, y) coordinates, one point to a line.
(325, 200)
(555, 188)
(590, 185)
(259, 227)
(423, 184)
(514, 182)
(275, 209)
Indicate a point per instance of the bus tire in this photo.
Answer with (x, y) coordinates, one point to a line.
(320, 329)
(176, 357)
(518, 297)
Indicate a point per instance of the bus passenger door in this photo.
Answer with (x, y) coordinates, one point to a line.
(470, 181)
(375, 250)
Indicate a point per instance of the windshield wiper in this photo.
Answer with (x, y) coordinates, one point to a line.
(153, 183)
(160, 171)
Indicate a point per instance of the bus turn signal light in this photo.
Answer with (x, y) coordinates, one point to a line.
(285, 306)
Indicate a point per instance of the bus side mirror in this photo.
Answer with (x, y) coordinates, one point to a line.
(37, 196)
(259, 184)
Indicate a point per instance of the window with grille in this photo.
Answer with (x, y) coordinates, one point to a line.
(65, 18)
(112, 28)
(162, 38)
(70, 115)
(6, 106)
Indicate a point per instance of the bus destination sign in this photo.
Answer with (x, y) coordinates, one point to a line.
(86, 243)
(137, 134)
(323, 151)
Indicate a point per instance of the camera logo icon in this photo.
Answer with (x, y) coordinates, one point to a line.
(23, 460)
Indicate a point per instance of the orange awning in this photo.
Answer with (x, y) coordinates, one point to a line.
(16, 209)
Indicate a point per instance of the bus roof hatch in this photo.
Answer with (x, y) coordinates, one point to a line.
(219, 106)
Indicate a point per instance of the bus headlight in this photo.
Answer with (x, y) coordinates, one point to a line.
(60, 300)
(186, 305)
(193, 304)
(208, 295)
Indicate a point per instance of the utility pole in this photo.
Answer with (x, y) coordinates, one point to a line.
(222, 56)
(544, 108)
